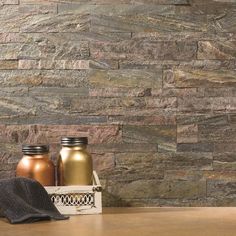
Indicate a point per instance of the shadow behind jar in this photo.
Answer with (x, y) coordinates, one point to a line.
(36, 164)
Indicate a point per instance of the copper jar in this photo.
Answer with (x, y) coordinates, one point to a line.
(74, 164)
(36, 164)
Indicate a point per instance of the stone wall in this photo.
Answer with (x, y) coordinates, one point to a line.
(152, 83)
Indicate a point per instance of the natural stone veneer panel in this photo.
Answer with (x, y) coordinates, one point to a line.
(224, 147)
(55, 119)
(133, 168)
(223, 23)
(224, 161)
(158, 189)
(217, 133)
(222, 192)
(13, 17)
(126, 78)
(161, 2)
(103, 162)
(119, 147)
(116, 9)
(162, 118)
(199, 78)
(217, 50)
(196, 147)
(218, 104)
(8, 64)
(9, 16)
(187, 133)
(38, 9)
(10, 38)
(56, 23)
(22, 106)
(9, 51)
(149, 134)
(47, 49)
(150, 82)
(53, 133)
(96, 134)
(119, 92)
(144, 50)
(44, 78)
(61, 37)
(146, 23)
(190, 36)
(199, 118)
(164, 161)
(121, 106)
(9, 2)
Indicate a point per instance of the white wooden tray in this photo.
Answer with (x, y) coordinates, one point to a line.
(77, 199)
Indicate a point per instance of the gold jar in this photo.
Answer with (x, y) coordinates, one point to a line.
(36, 164)
(74, 166)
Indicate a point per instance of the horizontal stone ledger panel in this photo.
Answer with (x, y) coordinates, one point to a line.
(167, 2)
(53, 23)
(145, 23)
(217, 50)
(158, 189)
(126, 78)
(144, 50)
(46, 78)
(17, 134)
(219, 104)
(116, 9)
(199, 78)
(150, 82)
(122, 106)
(149, 134)
(163, 161)
(217, 133)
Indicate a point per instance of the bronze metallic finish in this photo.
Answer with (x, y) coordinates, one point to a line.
(38, 167)
(75, 166)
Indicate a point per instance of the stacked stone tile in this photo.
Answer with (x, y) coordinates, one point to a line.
(152, 83)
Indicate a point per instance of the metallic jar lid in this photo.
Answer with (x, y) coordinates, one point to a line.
(74, 141)
(35, 149)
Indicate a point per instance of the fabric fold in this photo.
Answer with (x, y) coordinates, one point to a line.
(24, 200)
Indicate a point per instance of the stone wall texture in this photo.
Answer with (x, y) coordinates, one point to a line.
(152, 83)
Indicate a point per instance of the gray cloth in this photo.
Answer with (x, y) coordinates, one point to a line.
(24, 200)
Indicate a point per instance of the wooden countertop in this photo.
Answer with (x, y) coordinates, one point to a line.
(135, 221)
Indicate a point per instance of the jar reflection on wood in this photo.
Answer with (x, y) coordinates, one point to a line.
(36, 164)
(74, 164)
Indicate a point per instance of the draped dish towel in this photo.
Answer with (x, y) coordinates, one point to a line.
(24, 200)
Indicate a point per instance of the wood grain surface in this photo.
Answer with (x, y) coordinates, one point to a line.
(135, 221)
